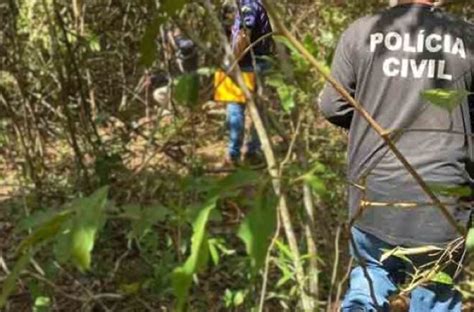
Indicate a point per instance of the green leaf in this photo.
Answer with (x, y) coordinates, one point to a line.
(94, 42)
(283, 40)
(284, 249)
(46, 231)
(172, 7)
(130, 289)
(206, 71)
(445, 98)
(316, 183)
(42, 304)
(443, 278)
(142, 219)
(82, 244)
(148, 48)
(88, 221)
(234, 181)
(286, 92)
(35, 220)
(187, 90)
(239, 298)
(451, 191)
(470, 240)
(214, 251)
(182, 276)
(258, 227)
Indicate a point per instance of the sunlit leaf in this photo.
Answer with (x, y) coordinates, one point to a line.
(214, 251)
(443, 278)
(239, 298)
(182, 276)
(445, 98)
(316, 183)
(88, 221)
(82, 244)
(470, 240)
(94, 42)
(284, 249)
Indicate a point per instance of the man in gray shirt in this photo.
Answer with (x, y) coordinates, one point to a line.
(386, 61)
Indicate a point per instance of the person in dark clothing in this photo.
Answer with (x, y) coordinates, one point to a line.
(386, 61)
(228, 15)
(185, 61)
(251, 24)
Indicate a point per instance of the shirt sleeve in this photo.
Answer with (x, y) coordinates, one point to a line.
(333, 106)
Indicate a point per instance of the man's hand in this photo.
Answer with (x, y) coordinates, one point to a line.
(242, 42)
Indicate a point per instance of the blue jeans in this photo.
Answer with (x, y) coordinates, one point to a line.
(236, 119)
(385, 277)
(236, 124)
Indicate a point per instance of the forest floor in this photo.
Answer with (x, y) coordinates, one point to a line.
(125, 277)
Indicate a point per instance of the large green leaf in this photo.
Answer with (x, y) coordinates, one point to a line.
(88, 221)
(148, 48)
(445, 98)
(183, 276)
(45, 231)
(49, 229)
(257, 228)
(187, 89)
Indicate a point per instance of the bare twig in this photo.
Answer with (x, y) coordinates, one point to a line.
(334, 268)
(263, 291)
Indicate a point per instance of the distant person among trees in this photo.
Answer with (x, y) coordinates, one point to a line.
(184, 60)
(251, 24)
(229, 11)
(386, 61)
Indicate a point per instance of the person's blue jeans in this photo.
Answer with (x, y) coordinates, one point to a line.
(236, 121)
(385, 277)
(236, 124)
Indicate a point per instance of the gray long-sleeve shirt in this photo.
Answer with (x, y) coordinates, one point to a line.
(386, 61)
